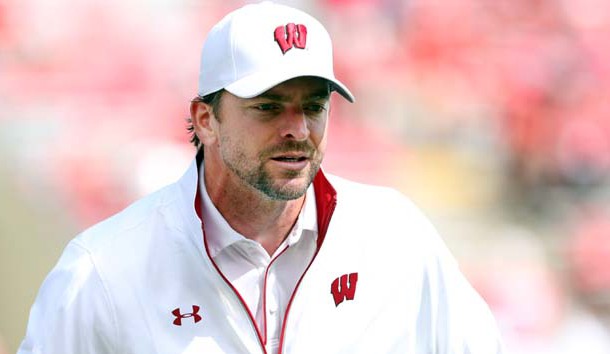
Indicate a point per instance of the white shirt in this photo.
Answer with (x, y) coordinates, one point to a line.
(264, 282)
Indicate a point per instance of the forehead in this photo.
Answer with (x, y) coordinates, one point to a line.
(301, 86)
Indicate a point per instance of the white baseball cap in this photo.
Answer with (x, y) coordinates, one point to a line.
(259, 46)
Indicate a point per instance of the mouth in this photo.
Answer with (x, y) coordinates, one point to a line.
(291, 161)
(289, 158)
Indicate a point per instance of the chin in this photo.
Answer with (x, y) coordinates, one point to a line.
(287, 190)
(293, 191)
(286, 184)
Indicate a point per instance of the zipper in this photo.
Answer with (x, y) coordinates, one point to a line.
(322, 233)
(226, 281)
(241, 300)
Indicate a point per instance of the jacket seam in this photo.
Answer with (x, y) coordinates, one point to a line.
(106, 293)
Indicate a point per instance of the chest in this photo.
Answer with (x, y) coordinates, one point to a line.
(345, 301)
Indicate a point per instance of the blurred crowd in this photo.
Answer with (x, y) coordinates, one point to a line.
(494, 116)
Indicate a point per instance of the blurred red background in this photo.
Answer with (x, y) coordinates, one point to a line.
(493, 116)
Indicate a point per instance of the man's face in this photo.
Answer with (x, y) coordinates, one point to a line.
(274, 142)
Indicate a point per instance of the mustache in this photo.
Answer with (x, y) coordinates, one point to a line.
(291, 146)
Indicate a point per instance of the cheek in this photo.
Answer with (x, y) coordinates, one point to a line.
(318, 134)
(322, 145)
(240, 143)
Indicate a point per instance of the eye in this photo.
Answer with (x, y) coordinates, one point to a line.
(314, 107)
(267, 107)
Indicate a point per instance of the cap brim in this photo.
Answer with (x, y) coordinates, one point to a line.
(257, 83)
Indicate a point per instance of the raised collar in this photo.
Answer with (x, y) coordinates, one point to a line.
(220, 235)
(325, 197)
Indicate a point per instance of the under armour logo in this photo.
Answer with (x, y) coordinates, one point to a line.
(179, 316)
(290, 36)
(344, 288)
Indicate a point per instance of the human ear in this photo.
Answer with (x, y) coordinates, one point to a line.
(203, 120)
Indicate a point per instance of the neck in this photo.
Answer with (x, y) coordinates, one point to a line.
(251, 213)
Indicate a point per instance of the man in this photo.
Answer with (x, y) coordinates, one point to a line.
(255, 249)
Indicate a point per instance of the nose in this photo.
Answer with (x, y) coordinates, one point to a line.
(295, 125)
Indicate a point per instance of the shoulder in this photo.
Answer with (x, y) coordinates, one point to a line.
(377, 202)
(81, 265)
(349, 190)
(121, 247)
(72, 304)
(384, 214)
(85, 277)
(126, 226)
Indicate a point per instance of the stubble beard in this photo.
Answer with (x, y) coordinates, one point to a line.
(259, 178)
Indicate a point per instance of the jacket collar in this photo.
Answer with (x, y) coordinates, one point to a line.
(325, 196)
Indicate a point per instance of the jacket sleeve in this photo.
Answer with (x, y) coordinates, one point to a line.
(461, 319)
(72, 313)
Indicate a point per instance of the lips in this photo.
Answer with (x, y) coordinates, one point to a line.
(295, 161)
(296, 156)
(289, 158)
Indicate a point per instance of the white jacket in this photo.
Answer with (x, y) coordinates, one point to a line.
(382, 281)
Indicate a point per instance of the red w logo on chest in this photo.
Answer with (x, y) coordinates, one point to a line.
(344, 288)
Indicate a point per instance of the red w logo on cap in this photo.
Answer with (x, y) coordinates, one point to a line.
(290, 36)
(342, 289)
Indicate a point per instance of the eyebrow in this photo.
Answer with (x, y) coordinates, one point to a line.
(317, 95)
